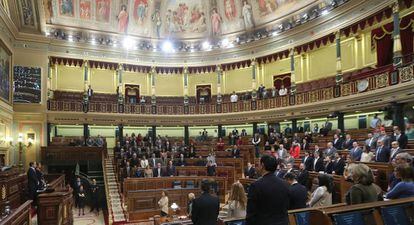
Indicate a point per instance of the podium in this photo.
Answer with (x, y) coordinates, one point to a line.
(13, 187)
(55, 204)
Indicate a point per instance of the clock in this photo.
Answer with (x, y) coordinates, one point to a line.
(362, 85)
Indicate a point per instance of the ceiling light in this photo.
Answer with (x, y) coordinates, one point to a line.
(225, 42)
(93, 41)
(70, 38)
(167, 46)
(128, 42)
(206, 45)
(275, 33)
(325, 12)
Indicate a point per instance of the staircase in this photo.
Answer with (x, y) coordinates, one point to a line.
(116, 211)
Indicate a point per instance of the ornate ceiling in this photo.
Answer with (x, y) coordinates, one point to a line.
(171, 19)
(176, 32)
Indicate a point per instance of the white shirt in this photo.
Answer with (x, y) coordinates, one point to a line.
(282, 92)
(144, 163)
(233, 98)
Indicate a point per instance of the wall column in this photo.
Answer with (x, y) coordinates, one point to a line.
(120, 89)
(219, 81)
(341, 121)
(397, 51)
(254, 128)
(85, 132)
(294, 125)
(120, 133)
(85, 102)
(254, 85)
(292, 77)
(153, 97)
(186, 135)
(186, 101)
(48, 130)
(398, 115)
(338, 76)
(220, 130)
(154, 134)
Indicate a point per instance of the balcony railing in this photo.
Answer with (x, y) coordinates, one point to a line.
(372, 79)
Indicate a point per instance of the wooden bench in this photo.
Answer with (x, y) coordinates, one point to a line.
(400, 211)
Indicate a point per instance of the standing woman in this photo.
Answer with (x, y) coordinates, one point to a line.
(237, 201)
(163, 204)
(405, 188)
(82, 199)
(364, 190)
(322, 196)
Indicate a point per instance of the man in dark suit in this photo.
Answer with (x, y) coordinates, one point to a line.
(32, 181)
(205, 209)
(395, 150)
(308, 161)
(382, 154)
(127, 171)
(337, 142)
(330, 149)
(298, 192)
(235, 152)
(158, 171)
(371, 142)
(339, 165)
(400, 137)
(288, 130)
(355, 152)
(90, 92)
(303, 175)
(153, 161)
(318, 164)
(170, 169)
(328, 126)
(347, 144)
(268, 197)
(76, 187)
(250, 171)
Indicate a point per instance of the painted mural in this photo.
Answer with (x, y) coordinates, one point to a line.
(27, 84)
(166, 18)
(5, 73)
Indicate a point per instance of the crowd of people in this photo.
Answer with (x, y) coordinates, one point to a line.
(279, 153)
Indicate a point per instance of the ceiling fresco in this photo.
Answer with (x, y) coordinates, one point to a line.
(182, 19)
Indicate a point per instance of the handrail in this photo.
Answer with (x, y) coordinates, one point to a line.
(376, 79)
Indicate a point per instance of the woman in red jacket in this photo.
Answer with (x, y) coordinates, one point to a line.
(295, 150)
(220, 144)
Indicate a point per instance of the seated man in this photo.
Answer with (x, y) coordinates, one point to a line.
(235, 152)
(250, 171)
(282, 91)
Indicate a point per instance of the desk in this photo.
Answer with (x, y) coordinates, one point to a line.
(19, 216)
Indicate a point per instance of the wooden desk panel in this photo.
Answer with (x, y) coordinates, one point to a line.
(19, 216)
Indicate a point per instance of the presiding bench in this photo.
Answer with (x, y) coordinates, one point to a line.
(142, 194)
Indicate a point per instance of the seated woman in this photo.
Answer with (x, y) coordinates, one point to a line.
(322, 196)
(367, 155)
(237, 201)
(364, 190)
(405, 188)
(148, 172)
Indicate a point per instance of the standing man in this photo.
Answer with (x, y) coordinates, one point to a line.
(32, 182)
(90, 92)
(299, 193)
(382, 154)
(400, 137)
(256, 143)
(268, 197)
(94, 196)
(205, 209)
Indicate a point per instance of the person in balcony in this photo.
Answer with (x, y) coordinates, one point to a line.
(100, 141)
(283, 91)
(142, 101)
(90, 142)
(375, 122)
(89, 92)
(234, 97)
